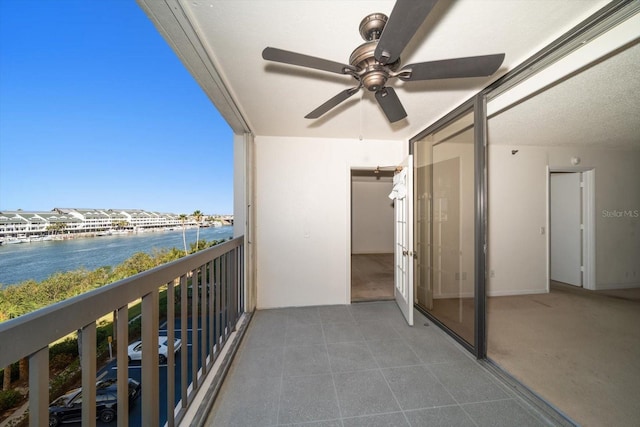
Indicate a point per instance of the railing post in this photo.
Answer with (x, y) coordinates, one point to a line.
(87, 337)
(171, 358)
(203, 317)
(122, 357)
(184, 313)
(218, 308)
(115, 325)
(150, 327)
(194, 328)
(242, 285)
(223, 296)
(211, 304)
(39, 388)
(233, 288)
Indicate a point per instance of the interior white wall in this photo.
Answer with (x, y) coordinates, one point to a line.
(617, 200)
(371, 216)
(518, 206)
(303, 215)
(517, 212)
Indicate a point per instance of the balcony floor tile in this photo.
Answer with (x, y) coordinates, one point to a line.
(306, 360)
(249, 402)
(353, 399)
(444, 416)
(502, 413)
(395, 419)
(350, 356)
(359, 365)
(342, 332)
(415, 387)
(308, 398)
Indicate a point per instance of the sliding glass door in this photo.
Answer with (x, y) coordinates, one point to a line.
(444, 224)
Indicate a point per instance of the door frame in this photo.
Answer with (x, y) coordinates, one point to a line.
(403, 241)
(588, 221)
(477, 106)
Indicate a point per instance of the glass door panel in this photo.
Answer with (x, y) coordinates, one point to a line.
(444, 226)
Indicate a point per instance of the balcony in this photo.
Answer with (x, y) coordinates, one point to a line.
(360, 365)
(356, 364)
(199, 299)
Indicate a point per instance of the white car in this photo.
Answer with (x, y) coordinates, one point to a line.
(135, 350)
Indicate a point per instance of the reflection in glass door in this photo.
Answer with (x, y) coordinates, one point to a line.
(444, 183)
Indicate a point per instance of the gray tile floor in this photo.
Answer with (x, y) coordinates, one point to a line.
(359, 365)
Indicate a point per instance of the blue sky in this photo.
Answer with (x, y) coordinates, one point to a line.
(96, 111)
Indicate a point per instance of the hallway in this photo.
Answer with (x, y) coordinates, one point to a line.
(371, 277)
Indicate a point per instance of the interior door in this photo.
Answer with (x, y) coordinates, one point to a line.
(403, 253)
(566, 228)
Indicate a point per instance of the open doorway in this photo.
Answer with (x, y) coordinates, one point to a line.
(571, 227)
(372, 235)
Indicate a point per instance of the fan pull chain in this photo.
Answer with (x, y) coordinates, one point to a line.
(361, 137)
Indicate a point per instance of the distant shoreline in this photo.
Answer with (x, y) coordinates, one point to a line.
(69, 223)
(38, 261)
(35, 238)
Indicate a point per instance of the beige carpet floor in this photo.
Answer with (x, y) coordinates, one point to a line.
(371, 277)
(578, 349)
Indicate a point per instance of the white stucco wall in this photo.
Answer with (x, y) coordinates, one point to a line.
(239, 185)
(303, 215)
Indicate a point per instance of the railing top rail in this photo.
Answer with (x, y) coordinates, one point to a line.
(26, 334)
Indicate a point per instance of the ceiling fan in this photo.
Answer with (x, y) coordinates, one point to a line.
(378, 59)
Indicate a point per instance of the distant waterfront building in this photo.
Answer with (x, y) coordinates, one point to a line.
(23, 224)
(18, 226)
(91, 220)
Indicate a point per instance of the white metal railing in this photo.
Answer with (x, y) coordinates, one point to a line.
(208, 290)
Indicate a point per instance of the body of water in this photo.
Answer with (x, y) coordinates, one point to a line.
(39, 260)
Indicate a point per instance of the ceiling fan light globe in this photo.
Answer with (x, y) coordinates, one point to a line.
(374, 80)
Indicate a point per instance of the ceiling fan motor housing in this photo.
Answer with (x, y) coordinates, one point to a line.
(371, 73)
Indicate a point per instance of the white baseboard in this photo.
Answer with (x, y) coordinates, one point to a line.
(609, 286)
(381, 252)
(454, 295)
(515, 292)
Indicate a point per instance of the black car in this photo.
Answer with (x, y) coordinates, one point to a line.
(68, 408)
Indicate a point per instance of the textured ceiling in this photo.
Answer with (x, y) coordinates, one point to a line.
(274, 98)
(597, 107)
